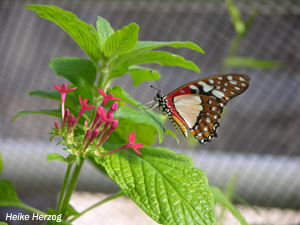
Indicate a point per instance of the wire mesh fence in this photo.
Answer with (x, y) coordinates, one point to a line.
(262, 123)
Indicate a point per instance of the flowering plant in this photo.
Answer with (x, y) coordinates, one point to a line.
(104, 124)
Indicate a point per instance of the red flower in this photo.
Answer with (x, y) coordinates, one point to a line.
(63, 91)
(106, 98)
(83, 108)
(131, 144)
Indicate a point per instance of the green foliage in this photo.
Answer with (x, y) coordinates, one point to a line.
(77, 29)
(80, 72)
(164, 184)
(252, 63)
(220, 198)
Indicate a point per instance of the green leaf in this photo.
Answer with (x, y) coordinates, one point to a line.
(163, 58)
(235, 16)
(1, 163)
(151, 117)
(143, 46)
(55, 95)
(236, 61)
(130, 120)
(220, 198)
(250, 20)
(77, 29)
(57, 157)
(163, 184)
(54, 112)
(3, 223)
(140, 74)
(70, 211)
(119, 71)
(8, 195)
(104, 29)
(121, 41)
(80, 72)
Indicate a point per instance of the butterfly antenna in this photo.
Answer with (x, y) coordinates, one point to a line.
(155, 81)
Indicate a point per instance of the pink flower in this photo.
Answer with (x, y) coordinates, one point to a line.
(108, 121)
(70, 123)
(56, 125)
(83, 108)
(113, 126)
(67, 112)
(93, 134)
(106, 98)
(130, 144)
(98, 114)
(113, 108)
(63, 91)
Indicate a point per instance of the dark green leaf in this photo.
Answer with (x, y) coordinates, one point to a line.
(143, 46)
(80, 72)
(163, 184)
(220, 198)
(121, 41)
(140, 74)
(236, 61)
(77, 29)
(104, 29)
(151, 117)
(54, 112)
(163, 58)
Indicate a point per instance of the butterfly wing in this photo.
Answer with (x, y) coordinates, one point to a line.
(198, 105)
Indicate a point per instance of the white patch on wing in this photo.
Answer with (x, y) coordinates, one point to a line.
(188, 107)
(206, 87)
(234, 82)
(182, 91)
(218, 94)
(193, 87)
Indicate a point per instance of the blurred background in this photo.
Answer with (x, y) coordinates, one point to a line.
(257, 149)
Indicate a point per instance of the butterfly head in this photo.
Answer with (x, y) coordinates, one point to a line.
(160, 101)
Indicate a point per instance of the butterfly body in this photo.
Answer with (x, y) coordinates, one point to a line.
(197, 106)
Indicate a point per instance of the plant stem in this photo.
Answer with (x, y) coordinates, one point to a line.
(113, 196)
(29, 208)
(62, 192)
(71, 186)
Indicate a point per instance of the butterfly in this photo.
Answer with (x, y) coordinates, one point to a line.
(197, 106)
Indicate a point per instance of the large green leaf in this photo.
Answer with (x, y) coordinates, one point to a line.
(80, 72)
(104, 29)
(143, 46)
(163, 184)
(119, 71)
(163, 58)
(121, 41)
(54, 112)
(151, 117)
(220, 198)
(77, 29)
(140, 74)
(237, 61)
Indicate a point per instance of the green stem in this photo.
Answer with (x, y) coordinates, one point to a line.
(62, 192)
(29, 208)
(232, 50)
(71, 186)
(116, 195)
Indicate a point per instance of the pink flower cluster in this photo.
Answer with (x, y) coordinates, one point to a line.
(101, 117)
